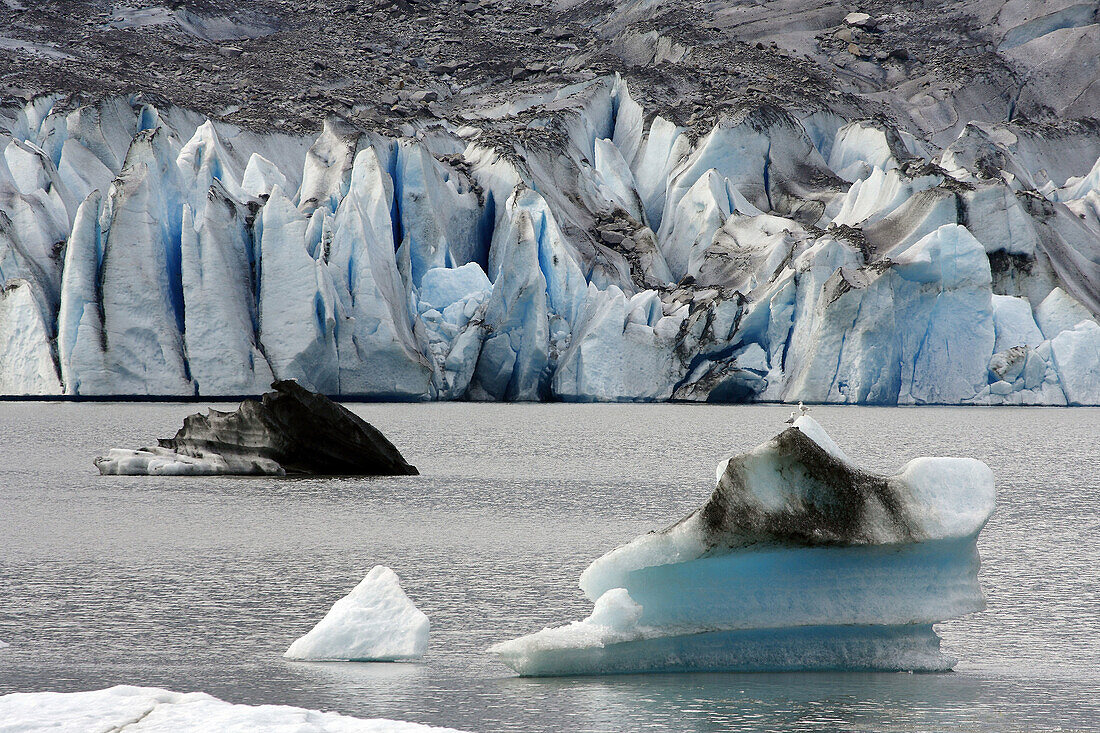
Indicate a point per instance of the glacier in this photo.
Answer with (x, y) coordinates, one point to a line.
(153, 709)
(799, 560)
(375, 622)
(606, 254)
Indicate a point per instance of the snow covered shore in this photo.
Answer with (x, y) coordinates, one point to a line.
(149, 710)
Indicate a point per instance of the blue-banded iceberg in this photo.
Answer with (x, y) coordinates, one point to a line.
(799, 560)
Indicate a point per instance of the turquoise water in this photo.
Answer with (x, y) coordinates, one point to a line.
(201, 583)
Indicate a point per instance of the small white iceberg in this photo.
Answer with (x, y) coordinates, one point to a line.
(376, 622)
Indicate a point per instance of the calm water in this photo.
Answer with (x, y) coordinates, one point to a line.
(201, 584)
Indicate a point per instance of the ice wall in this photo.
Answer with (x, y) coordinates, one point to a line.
(154, 252)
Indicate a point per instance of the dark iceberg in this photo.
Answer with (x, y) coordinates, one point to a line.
(288, 431)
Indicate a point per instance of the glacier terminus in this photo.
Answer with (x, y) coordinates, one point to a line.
(611, 255)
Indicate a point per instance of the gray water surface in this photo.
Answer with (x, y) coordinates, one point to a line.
(202, 583)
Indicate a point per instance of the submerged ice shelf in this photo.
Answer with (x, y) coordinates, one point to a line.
(798, 561)
(783, 255)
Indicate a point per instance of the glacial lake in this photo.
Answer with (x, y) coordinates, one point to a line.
(202, 583)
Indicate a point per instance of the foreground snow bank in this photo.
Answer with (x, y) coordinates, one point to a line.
(799, 561)
(149, 710)
(376, 622)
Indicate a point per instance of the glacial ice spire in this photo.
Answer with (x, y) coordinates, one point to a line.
(688, 228)
(27, 365)
(440, 220)
(219, 302)
(378, 353)
(624, 349)
(945, 275)
(514, 356)
(260, 176)
(664, 148)
(877, 333)
(296, 298)
(80, 337)
(614, 182)
(203, 160)
(629, 123)
(35, 221)
(33, 171)
(328, 165)
(141, 244)
(565, 282)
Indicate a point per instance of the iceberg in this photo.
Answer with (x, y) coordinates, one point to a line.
(150, 709)
(800, 560)
(290, 430)
(375, 622)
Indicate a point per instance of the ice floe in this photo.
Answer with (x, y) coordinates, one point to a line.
(149, 709)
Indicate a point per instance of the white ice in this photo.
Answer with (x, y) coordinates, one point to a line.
(153, 710)
(156, 461)
(26, 366)
(375, 622)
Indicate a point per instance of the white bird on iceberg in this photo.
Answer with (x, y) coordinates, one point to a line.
(790, 420)
(802, 408)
